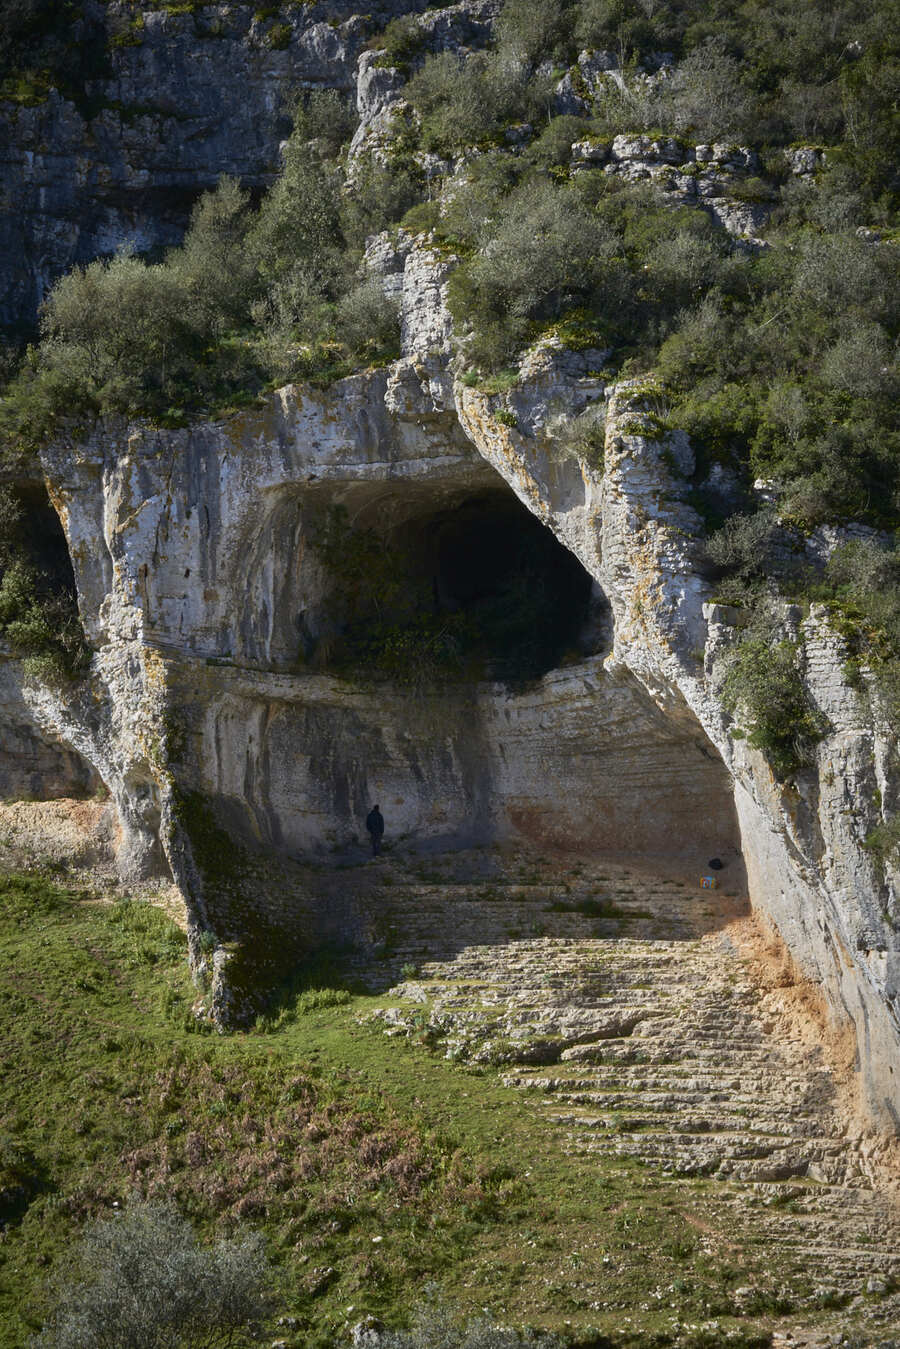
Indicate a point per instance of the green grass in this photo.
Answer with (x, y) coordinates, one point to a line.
(371, 1164)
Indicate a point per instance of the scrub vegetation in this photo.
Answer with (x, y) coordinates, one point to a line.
(347, 1171)
(38, 611)
(497, 598)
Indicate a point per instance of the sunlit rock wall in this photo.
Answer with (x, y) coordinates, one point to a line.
(810, 873)
(195, 575)
(34, 765)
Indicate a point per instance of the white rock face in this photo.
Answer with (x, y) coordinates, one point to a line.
(808, 870)
(33, 764)
(583, 761)
(197, 581)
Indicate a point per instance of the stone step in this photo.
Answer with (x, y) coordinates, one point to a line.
(638, 1034)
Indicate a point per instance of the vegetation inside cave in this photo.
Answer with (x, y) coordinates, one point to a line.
(38, 605)
(481, 590)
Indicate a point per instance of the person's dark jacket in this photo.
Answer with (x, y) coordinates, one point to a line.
(375, 822)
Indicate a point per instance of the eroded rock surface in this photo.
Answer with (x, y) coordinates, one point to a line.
(803, 841)
(124, 165)
(651, 1020)
(200, 590)
(199, 587)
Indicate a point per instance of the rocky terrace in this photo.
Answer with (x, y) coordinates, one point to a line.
(647, 1017)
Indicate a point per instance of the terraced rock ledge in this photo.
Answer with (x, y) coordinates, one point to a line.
(649, 1019)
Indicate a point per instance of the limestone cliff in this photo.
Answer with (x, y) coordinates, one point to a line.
(227, 752)
(123, 165)
(803, 842)
(198, 585)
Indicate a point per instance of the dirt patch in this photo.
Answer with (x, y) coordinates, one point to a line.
(794, 1010)
(69, 831)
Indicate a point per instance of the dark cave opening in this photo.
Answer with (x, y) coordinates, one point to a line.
(39, 625)
(527, 597)
(477, 589)
(36, 537)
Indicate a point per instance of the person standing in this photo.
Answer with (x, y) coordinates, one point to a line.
(375, 826)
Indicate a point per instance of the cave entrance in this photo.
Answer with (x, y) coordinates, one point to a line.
(38, 623)
(456, 592)
(527, 597)
(476, 589)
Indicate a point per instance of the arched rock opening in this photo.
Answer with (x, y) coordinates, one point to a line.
(528, 601)
(333, 572)
(39, 539)
(539, 744)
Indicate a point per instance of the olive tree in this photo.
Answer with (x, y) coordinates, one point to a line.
(143, 1282)
(707, 94)
(544, 254)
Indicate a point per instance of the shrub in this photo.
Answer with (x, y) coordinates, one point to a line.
(811, 111)
(377, 197)
(118, 334)
(861, 362)
(122, 336)
(402, 40)
(213, 265)
(298, 246)
(699, 344)
(368, 320)
(464, 100)
(620, 25)
(546, 254)
(278, 37)
(10, 523)
(884, 839)
(764, 686)
(143, 1281)
(707, 94)
(298, 224)
(838, 276)
(45, 44)
(38, 612)
(326, 117)
(529, 32)
(631, 102)
(41, 627)
(683, 267)
(863, 578)
(435, 1326)
(473, 205)
(553, 147)
(582, 437)
(746, 545)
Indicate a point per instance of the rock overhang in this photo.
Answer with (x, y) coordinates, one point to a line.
(144, 508)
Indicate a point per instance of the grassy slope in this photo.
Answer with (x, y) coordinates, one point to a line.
(372, 1165)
